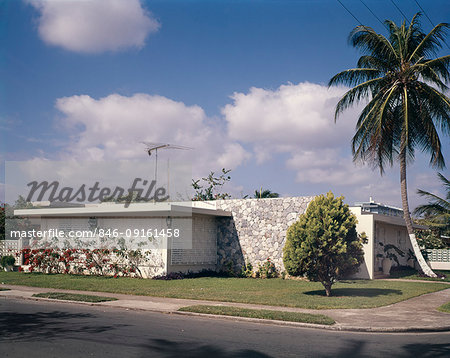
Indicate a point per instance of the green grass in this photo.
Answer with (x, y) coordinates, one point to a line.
(411, 274)
(445, 307)
(262, 314)
(74, 297)
(276, 292)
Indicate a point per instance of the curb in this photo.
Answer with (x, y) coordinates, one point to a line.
(335, 327)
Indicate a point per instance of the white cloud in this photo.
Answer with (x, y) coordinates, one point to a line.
(381, 189)
(112, 128)
(286, 117)
(327, 166)
(298, 120)
(294, 119)
(94, 26)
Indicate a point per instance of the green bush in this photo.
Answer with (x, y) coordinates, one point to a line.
(247, 270)
(323, 244)
(7, 260)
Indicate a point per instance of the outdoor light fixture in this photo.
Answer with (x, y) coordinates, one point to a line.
(169, 221)
(92, 222)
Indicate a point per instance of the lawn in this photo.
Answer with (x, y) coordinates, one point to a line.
(261, 314)
(445, 307)
(276, 292)
(411, 274)
(74, 297)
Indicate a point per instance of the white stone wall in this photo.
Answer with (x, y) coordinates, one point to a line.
(257, 229)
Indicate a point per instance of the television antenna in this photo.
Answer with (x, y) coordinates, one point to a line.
(153, 147)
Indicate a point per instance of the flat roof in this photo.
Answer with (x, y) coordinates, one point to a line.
(133, 210)
(394, 220)
(388, 219)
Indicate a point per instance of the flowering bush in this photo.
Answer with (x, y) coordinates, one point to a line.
(100, 262)
(267, 270)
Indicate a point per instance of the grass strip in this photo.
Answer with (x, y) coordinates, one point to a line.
(262, 314)
(445, 307)
(74, 297)
(4, 289)
(413, 275)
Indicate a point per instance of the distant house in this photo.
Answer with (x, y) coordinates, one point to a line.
(224, 231)
(383, 224)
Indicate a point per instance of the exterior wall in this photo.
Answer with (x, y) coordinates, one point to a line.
(390, 234)
(157, 262)
(257, 229)
(203, 252)
(365, 224)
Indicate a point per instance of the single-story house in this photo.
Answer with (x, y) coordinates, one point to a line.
(221, 232)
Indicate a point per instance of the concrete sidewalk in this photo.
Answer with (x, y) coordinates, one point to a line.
(418, 314)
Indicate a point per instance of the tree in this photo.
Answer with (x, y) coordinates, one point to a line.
(2, 221)
(323, 244)
(437, 212)
(406, 108)
(10, 221)
(259, 194)
(213, 183)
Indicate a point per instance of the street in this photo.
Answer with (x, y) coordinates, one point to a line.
(53, 329)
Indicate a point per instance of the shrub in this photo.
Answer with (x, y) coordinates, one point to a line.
(228, 269)
(7, 260)
(170, 276)
(101, 262)
(247, 270)
(323, 244)
(267, 270)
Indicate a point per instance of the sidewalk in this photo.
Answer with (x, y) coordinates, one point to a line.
(418, 314)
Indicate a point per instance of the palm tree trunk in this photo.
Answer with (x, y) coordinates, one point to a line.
(409, 225)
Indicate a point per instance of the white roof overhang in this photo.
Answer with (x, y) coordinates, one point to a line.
(119, 210)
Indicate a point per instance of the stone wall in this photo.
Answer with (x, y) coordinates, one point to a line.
(257, 229)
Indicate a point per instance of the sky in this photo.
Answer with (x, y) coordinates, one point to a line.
(244, 83)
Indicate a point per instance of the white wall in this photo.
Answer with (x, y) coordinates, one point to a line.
(365, 224)
(391, 234)
(202, 254)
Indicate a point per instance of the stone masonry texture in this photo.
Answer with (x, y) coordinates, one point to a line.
(257, 229)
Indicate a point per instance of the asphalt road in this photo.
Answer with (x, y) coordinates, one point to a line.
(37, 329)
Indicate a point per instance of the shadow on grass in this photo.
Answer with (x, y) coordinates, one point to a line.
(356, 292)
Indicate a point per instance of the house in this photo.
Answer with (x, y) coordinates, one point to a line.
(192, 228)
(218, 233)
(383, 224)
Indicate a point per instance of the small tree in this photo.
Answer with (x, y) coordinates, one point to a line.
(323, 244)
(266, 193)
(213, 185)
(2, 221)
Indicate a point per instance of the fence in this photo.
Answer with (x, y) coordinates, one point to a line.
(439, 258)
(11, 247)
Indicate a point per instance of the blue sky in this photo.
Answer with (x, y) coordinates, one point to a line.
(243, 82)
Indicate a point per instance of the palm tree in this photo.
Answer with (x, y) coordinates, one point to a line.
(437, 211)
(403, 84)
(260, 194)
